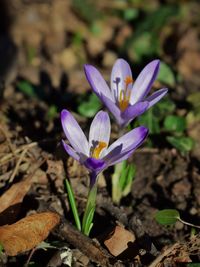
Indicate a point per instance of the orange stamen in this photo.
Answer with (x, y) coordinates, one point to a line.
(128, 80)
(98, 149)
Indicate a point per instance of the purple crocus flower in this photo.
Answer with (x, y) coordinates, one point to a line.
(126, 99)
(95, 153)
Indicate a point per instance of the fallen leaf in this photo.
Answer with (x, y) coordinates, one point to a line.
(27, 233)
(119, 241)
(15, 194)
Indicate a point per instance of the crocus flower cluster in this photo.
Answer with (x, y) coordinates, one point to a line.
(95, 153)
(126, 99)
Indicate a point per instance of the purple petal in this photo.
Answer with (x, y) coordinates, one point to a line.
(100, 129)
(119, 158)
(97, 82)
(112, 154)
(145, 80)
(74, 133)
(120, 71)
(155, 97)
(71, 151)
(134, 111)
(129, 142)
(95, 165)
(113, 108)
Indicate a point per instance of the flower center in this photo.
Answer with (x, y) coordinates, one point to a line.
(98, 149)
(125, 94)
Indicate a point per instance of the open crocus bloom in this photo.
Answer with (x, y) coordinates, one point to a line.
(95, 153)
(126, 99)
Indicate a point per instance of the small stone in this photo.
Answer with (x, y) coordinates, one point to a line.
(179, 225)
(193, 211)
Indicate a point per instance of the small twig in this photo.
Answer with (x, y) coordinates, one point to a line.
(17, 165)
(163, 255)
(7, 139)
(187, 223)
(29, 257)
(86, 245)
(18, 150)
(147, 150)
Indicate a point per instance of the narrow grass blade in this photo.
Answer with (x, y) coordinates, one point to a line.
(73, 204)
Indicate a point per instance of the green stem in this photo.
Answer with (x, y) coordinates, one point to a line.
(187, 223)
(87, 222)
(116, 192)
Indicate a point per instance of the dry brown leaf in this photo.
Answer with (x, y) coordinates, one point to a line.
(15, 194)
(119, 241)
(27, 233)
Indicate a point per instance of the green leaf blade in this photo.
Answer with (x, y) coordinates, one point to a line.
(167, 216)
(88, 222)
(149, 120)
(27, 88)
(175, 123)
(166, 75)
(183, 144)
(73, 204)
(90, 107)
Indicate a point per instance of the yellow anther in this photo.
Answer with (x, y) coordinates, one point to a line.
(124, 100)
(121, 96)
(97, 150)
(128, 80)
(123, 104)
